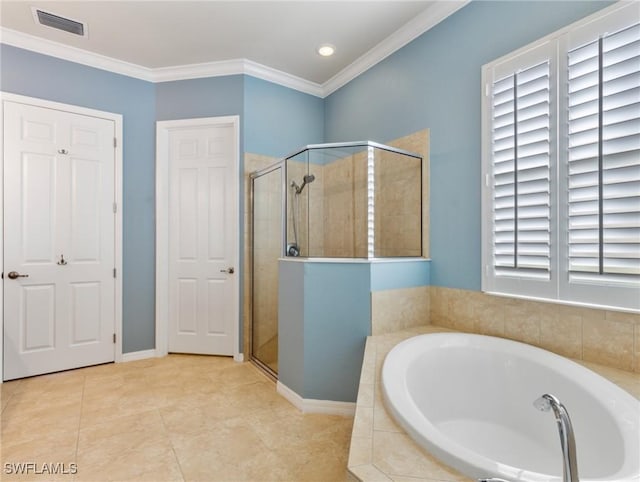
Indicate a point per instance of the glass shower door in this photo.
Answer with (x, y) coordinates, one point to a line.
(267, 245)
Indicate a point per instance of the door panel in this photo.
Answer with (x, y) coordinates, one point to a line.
(187, 308)
(37, 322)
(38, 192)
(187, 218)
(202, 240)
(216, 248)
(86, 307)
(217, 306)
(82, 137)
(86, 185)
(38, 130)
(59, 230)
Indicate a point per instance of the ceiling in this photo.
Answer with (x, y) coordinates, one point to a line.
(281, 35)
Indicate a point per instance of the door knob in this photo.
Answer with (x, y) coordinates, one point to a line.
(229, 270)
(16, 275)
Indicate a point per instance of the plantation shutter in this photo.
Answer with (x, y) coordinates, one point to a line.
(604, 157)
(520, 158)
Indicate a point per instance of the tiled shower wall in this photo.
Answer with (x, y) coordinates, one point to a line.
(310, 200)
(343, 225)
(405, 197)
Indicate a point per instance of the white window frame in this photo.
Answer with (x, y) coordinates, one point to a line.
(558, 288)
(512, 285)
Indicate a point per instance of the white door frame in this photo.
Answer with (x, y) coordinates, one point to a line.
(163, 129)
(117, 120)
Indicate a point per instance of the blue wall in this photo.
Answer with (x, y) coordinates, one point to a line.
(291, 370)
(434, 82)
(274, 121)
(337, 309)
(28, 73)
(324, 317)
(279, 120)
(392, 275)
(210, 97)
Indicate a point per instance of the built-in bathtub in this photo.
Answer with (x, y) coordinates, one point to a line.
(468, 400)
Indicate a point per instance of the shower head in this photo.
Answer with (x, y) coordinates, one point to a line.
(307, 179)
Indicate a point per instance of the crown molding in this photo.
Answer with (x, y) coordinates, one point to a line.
(426, 20)
(235, 67)
(414, 28)
(198, 71)
(73, 54)
(162, 74)
(279, 77)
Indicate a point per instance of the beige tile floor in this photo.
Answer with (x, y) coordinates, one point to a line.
(180, 417)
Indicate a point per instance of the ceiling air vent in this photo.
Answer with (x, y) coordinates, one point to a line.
(61, 23)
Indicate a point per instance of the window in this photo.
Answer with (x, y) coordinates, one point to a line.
(561, 165)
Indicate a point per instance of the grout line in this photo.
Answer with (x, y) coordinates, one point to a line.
(581, 338)
(84, 381)
(9, 397)
(635, 362)
(177, 460)
(168, 436)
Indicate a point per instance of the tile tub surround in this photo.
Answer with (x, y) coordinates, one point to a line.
(399, 309)
(605, 337)
(382, 451)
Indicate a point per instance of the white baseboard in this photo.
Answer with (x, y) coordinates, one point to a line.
(143, 354)
(138, 355)
(310, 405)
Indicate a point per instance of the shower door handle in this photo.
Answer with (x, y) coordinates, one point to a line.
(229, 270)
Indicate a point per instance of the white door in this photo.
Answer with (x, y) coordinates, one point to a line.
(59, 287)
(202, 239)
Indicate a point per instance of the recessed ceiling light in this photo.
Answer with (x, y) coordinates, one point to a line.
(326, 50)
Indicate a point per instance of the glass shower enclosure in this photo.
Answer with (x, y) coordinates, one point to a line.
(350, 200)
(353, 200)
(267, 247)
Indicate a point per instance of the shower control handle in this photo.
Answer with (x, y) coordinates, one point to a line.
(229, 270)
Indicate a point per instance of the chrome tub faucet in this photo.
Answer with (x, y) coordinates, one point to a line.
(567, 439)
(546, 403)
